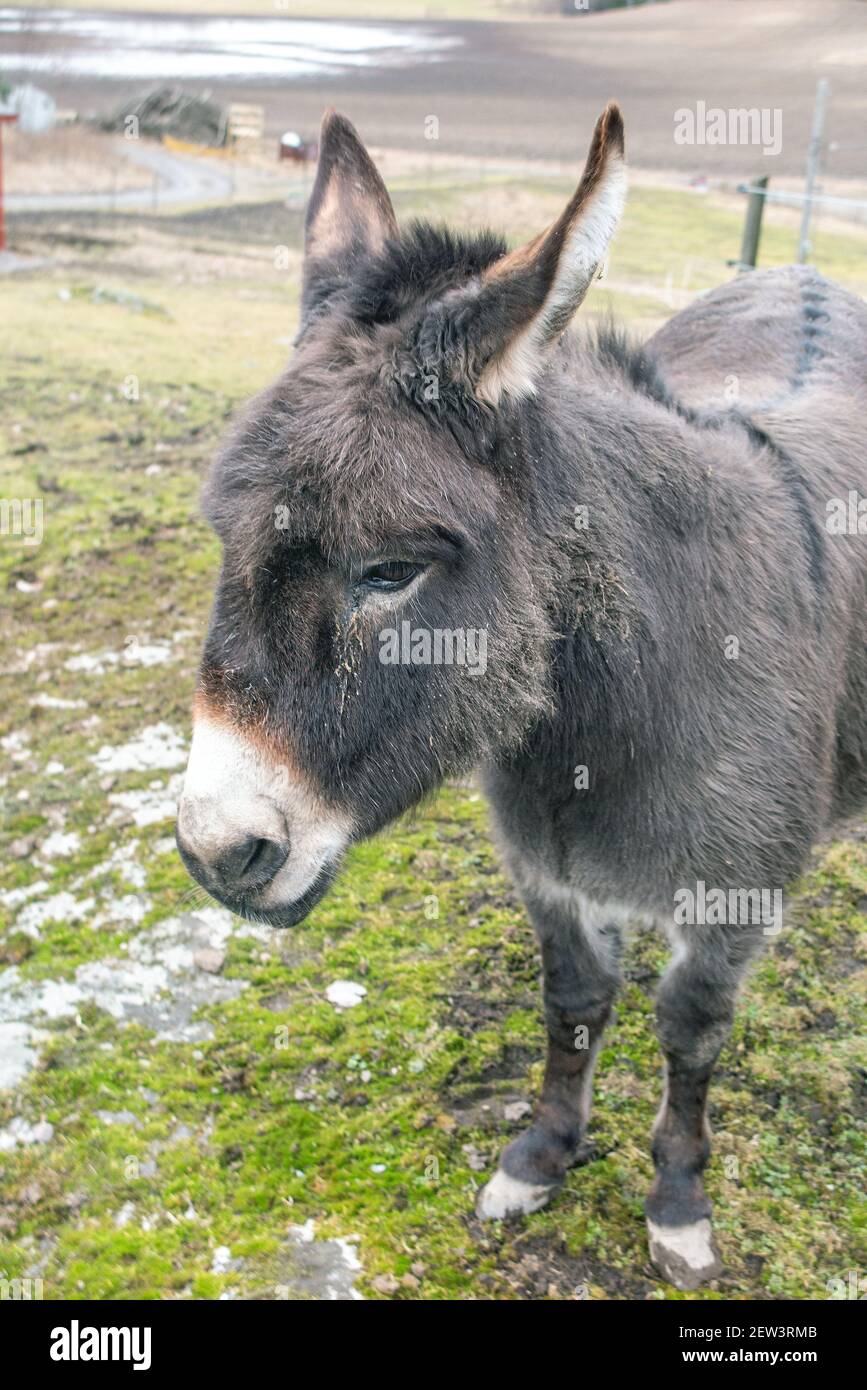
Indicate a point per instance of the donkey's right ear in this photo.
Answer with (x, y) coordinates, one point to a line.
(349, 214)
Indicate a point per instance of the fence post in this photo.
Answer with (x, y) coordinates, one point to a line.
(814, 156)
(753, 223)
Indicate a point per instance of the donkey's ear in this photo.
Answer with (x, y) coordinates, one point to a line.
(349, 214)
(528, 297)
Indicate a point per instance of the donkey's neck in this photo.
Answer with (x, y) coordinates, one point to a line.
(622, 488)
(618, 476)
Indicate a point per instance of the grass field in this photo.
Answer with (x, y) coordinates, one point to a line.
(193, 1099)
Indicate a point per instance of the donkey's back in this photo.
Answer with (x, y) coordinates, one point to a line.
(771, 341)
(786, 350)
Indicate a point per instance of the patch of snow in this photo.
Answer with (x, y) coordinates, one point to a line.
(17, 1052)
(16, 740)
(345, 994)
(16, 745)
(156, 747)
(125, 1215)
(156, 984)
(55, 702)
(137, 653)
(148, 806)
(223, 1262)
(61, 907)
(19, 1133)
(33, 656)
(122, 860)
(129, 910)
(303, 1234)
(14, 897)
(91, 663)
(60, 845)
(19, 999)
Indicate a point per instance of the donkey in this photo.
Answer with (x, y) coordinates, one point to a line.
(672, 707)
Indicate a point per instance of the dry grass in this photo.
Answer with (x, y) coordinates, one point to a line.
(68, 159)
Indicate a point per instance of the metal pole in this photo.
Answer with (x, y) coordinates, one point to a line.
(814, 156)
(753, 224)
(7, 118)
(2, 224)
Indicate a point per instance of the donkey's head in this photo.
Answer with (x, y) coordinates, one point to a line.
(382, 616)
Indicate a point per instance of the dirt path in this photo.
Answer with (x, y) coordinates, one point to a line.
(178, 179)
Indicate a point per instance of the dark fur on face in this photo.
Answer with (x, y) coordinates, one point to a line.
(337, 465)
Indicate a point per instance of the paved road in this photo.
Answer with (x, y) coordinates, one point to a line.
(521, 89)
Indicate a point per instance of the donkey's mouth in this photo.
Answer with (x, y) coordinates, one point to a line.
(263, 903)
(282, 915)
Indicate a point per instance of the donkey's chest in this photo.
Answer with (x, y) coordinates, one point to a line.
(559, 844)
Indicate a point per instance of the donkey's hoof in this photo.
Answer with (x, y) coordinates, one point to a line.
(504, 1196)
(685, 1255)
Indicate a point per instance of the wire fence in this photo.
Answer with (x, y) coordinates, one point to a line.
(811, 201)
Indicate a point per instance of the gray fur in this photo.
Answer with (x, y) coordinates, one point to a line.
(705, 463)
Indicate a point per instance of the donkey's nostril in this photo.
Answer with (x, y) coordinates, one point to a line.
(250, 864)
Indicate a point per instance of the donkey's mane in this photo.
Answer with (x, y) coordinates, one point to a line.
(611, 343)
(422, 260)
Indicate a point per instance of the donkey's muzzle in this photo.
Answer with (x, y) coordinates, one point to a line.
(253, 831)
(239, 869)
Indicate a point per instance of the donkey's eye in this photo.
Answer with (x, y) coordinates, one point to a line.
(389, 574)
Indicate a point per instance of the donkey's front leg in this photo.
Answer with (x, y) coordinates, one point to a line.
(580, 964)
(694, 1011)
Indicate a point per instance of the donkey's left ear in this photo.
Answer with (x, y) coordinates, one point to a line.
(349, 215)
(528, 297)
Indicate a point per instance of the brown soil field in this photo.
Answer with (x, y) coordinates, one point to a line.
(532, 89)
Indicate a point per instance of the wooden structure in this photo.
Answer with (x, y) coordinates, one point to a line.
(7, 116)
(244, 123)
